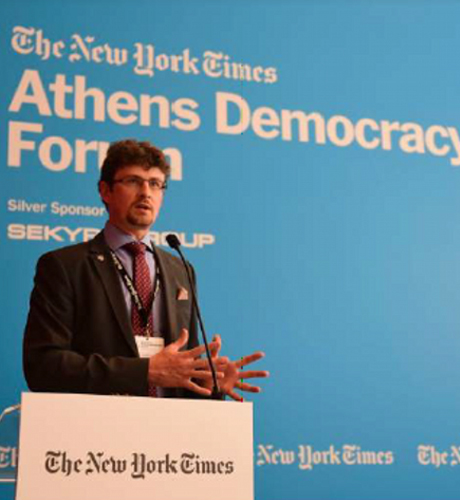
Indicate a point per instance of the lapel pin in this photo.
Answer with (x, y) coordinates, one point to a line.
(100, 258)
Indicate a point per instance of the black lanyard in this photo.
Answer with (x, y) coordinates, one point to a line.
(144, 313)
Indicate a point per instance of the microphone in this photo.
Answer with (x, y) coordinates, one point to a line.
(174, 243)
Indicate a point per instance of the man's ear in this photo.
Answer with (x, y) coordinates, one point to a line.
(105, 190)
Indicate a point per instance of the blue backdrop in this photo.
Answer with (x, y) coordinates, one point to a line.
(315, 150)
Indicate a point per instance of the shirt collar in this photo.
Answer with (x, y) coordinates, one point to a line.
(115, 238)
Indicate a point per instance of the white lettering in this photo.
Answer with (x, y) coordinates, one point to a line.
(64, 153)
(453, 132)
(223, 126)
(30, 78)
(361, 134)
(413, 139)
(348, 131)
(430, 134)
(16, 144)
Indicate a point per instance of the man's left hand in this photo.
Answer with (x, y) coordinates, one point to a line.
(233, 373)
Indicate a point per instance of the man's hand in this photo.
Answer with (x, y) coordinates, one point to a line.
(174, 368)
(233, 376)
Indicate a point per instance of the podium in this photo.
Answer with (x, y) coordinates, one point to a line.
(85, 447)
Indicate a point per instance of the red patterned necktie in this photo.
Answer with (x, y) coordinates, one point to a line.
(143, 285)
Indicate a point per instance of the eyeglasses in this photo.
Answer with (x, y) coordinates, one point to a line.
(137, 183)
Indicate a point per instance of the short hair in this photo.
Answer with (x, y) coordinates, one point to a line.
(129, 152)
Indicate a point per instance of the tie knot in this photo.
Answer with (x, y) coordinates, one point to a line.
(135, 248)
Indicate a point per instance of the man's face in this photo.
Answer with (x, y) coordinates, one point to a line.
(132, 204)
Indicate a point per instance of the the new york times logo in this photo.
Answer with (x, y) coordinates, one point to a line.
(137, 465)
(9, 428)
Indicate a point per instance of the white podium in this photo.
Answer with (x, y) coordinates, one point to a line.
(79, 447)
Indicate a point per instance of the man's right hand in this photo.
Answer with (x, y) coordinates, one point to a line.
(172, 367)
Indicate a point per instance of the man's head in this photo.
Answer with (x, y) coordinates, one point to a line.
(131, 152)
(132, 183)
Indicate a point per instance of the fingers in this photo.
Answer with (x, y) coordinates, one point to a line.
(186, 368)
(247, 387)
(217, 344)
(204, 374)
(202, 391)
(234, 395)
(182, 340)
(246, 360)
(200, 364)
(198, 351)
(253, 374)
(222, 362)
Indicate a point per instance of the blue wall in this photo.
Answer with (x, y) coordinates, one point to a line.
(318, 192)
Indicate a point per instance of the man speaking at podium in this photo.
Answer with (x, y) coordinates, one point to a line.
(115, 315)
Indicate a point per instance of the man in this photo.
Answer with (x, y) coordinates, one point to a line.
(114, 315)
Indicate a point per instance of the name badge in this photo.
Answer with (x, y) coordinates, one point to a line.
(149, 346)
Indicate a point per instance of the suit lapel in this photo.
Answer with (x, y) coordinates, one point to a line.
(168, 291)
(102, 260)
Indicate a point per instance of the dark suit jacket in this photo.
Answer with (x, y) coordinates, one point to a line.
(78, 336)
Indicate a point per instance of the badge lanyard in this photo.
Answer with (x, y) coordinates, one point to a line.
(144, 313)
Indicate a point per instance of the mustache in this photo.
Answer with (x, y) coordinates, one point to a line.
(143, 203)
